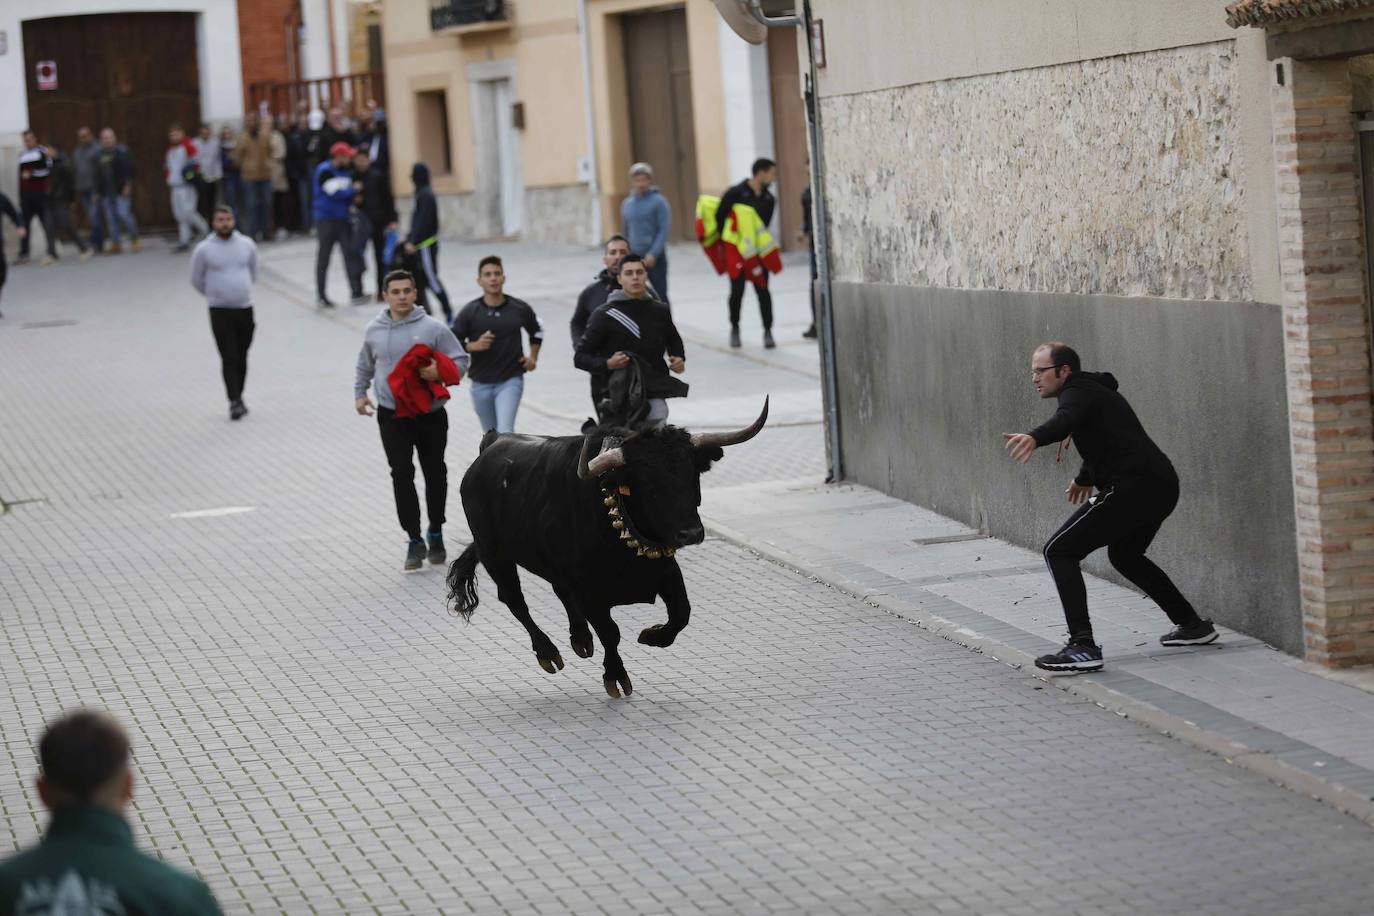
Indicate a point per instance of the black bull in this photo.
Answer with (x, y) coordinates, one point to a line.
(602, 530)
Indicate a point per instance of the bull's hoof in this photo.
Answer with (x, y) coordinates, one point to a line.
(657, 635)
(552, 665)
(614, 685)
(582, 644)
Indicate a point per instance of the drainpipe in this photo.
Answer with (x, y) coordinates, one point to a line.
(593, 180)
(820, 229)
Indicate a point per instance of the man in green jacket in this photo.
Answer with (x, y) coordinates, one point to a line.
(87, 862)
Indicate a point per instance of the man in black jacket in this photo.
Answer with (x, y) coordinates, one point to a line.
(1137, 489)
(594, 296)
(422, 244)
(376, 211)
(633, 324)
(752, 191)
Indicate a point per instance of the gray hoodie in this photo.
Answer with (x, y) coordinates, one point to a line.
(384, 343)
(224, 270)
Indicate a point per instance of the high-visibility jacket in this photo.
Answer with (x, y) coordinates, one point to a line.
(742, 246)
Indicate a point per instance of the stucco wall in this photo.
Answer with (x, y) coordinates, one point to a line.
(1116, 176)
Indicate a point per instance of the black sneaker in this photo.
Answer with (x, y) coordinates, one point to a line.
(415, 555)
(437, 555)
(810, 333)
(1073, 657)
(324, 303)
(734, 337)
(360, 299)
(768, 342)
(237, 410)
(1199, 634)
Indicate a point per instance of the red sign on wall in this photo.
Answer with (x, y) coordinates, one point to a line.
(46, 71)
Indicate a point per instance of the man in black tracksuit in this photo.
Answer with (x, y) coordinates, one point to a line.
(593, 297)
(631, 323)
(1137, 489)
(422, 245)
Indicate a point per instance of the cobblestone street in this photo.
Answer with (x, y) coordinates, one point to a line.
(314, 733)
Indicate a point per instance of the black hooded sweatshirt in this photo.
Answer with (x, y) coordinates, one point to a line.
(424, 220)
(1116, 449)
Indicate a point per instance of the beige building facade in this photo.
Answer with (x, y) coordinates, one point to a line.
(531, 120)
(1174, 188)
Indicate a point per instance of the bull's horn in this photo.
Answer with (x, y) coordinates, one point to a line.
(701, 440)
(608, 459)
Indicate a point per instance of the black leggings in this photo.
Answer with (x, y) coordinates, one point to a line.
(233, 330)
(1125, 520)
(427, 437)
(737, 298)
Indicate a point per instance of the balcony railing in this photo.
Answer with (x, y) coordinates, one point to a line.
(351, 90)
(461, 13)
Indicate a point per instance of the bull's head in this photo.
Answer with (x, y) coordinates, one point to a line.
(651, 482)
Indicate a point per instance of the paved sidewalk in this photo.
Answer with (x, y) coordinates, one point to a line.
(1312, 731)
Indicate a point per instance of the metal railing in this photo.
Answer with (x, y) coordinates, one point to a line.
(351, 90)
(465, 12)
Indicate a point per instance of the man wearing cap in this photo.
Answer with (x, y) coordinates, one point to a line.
(333, 190)
(646, 219)
(87, 861)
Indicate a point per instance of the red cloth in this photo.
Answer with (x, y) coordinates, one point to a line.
(415, 396)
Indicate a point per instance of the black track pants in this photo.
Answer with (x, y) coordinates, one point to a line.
(737, 286)
(1125, 520)
(426, 437)
(233, 329)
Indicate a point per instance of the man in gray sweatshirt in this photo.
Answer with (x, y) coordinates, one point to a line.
(386, 340)
(224, 268)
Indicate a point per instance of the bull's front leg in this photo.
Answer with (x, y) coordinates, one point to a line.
(674, 593)
(616, 678)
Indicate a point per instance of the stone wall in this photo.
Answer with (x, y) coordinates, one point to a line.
(1115, 176)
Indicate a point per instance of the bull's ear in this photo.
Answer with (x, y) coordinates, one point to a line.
(703, 455)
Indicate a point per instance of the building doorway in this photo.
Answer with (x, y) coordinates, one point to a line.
(658, 76)
(789, 132)
(134, 72)
(500, 190)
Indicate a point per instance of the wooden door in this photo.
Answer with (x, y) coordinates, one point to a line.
(658, 77)
(789, 133)
(134, 72)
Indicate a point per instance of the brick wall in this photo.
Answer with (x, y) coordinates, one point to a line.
(262, 41)
(1328, 360)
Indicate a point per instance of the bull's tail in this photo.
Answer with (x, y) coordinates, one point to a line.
(462, 583)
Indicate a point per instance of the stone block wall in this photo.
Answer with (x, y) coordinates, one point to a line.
(1115, 176)
(1327, 355)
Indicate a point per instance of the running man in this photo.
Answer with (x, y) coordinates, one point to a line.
(224, 268)
(1137, 489)
(488, 327)
(387, 339)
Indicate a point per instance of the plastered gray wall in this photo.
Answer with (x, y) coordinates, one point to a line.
(931, 377)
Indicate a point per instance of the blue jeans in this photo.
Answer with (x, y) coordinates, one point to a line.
(497, 402)
(91, 201)
(658, 276)
(257, 205)
(119, 213)
(232, 186)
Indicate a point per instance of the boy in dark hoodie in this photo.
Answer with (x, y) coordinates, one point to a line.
(422, 244)
(1137, 489)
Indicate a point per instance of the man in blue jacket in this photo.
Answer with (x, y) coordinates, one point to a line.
(646, 219)
(333, 189)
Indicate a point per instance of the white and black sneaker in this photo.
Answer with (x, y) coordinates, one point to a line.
(1199, 634)
(1073, 657)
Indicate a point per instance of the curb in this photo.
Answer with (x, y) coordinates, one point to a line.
(1349, 801)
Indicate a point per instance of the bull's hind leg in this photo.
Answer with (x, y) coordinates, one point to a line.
(615, 678)
(578, 634)
(507, 580)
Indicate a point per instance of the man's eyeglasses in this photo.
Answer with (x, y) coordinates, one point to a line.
(1037, 371)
